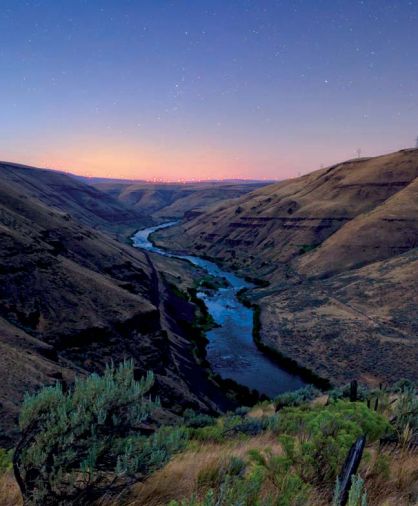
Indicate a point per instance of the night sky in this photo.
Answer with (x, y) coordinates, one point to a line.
(205, 89)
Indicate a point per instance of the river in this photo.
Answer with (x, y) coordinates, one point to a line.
(231, 350)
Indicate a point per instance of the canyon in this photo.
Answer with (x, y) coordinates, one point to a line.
(331, 258)
(338, 251)
(72, 297)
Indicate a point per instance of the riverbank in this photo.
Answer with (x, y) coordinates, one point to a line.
(283, 360)
(196, 333)
(230, 349)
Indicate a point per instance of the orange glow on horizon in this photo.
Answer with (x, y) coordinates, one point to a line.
(144, 163)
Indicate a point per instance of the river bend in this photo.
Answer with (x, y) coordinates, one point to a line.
(231, 350)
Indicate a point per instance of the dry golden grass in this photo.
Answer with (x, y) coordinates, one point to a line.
(178, 479)
(9, 491)
(398, 486)
(182, 476)
(390, 473)
(322, 400)
(262, 410)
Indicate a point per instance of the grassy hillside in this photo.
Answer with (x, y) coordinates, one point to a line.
(72, 297)
(338, 248)
(279, 222)
(70, 196)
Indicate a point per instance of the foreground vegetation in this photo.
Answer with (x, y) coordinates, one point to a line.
(101, 440)
(78, 445)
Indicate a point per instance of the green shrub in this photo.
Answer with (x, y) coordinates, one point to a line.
(320, 437)
(357, 496)
(242, 411)
(196, 420)
(250, 426)
(142, 455)
(77, 442)
(210, 433)
(235, 467)
(351, 417)
(296, 398)
(363, 392)
(406, 411)
(306, 248)
(402, 385)
(315, 442)
(5, 460)
(233, 491)
(230, 426)
(246, 489)
(277, 469)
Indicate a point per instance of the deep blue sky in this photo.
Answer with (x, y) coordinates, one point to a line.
(205, 88)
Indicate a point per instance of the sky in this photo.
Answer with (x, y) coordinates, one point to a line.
(193, 89)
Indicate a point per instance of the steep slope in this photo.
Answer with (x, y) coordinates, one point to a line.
(339, 249)
(73, 298)
(282, 221)
(387, 230)
(171, 200)
(66, 193)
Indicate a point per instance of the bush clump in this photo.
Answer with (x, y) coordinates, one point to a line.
(363, 393)
(297, 397)
(196, 420)
(5, 460)
(406, 411)
(77, 443)
(242, 483)
(317, 439)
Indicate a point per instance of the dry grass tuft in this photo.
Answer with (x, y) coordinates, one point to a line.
(394, 483)
(262, 410)
(9, 491)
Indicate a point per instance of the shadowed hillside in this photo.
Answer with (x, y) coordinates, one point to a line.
(72, 197)
(72, 298)
(339, 248)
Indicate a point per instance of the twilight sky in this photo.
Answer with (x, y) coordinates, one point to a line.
(205, 89)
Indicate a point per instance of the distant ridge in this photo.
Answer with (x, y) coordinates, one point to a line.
(164, 201)
(95, 180)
